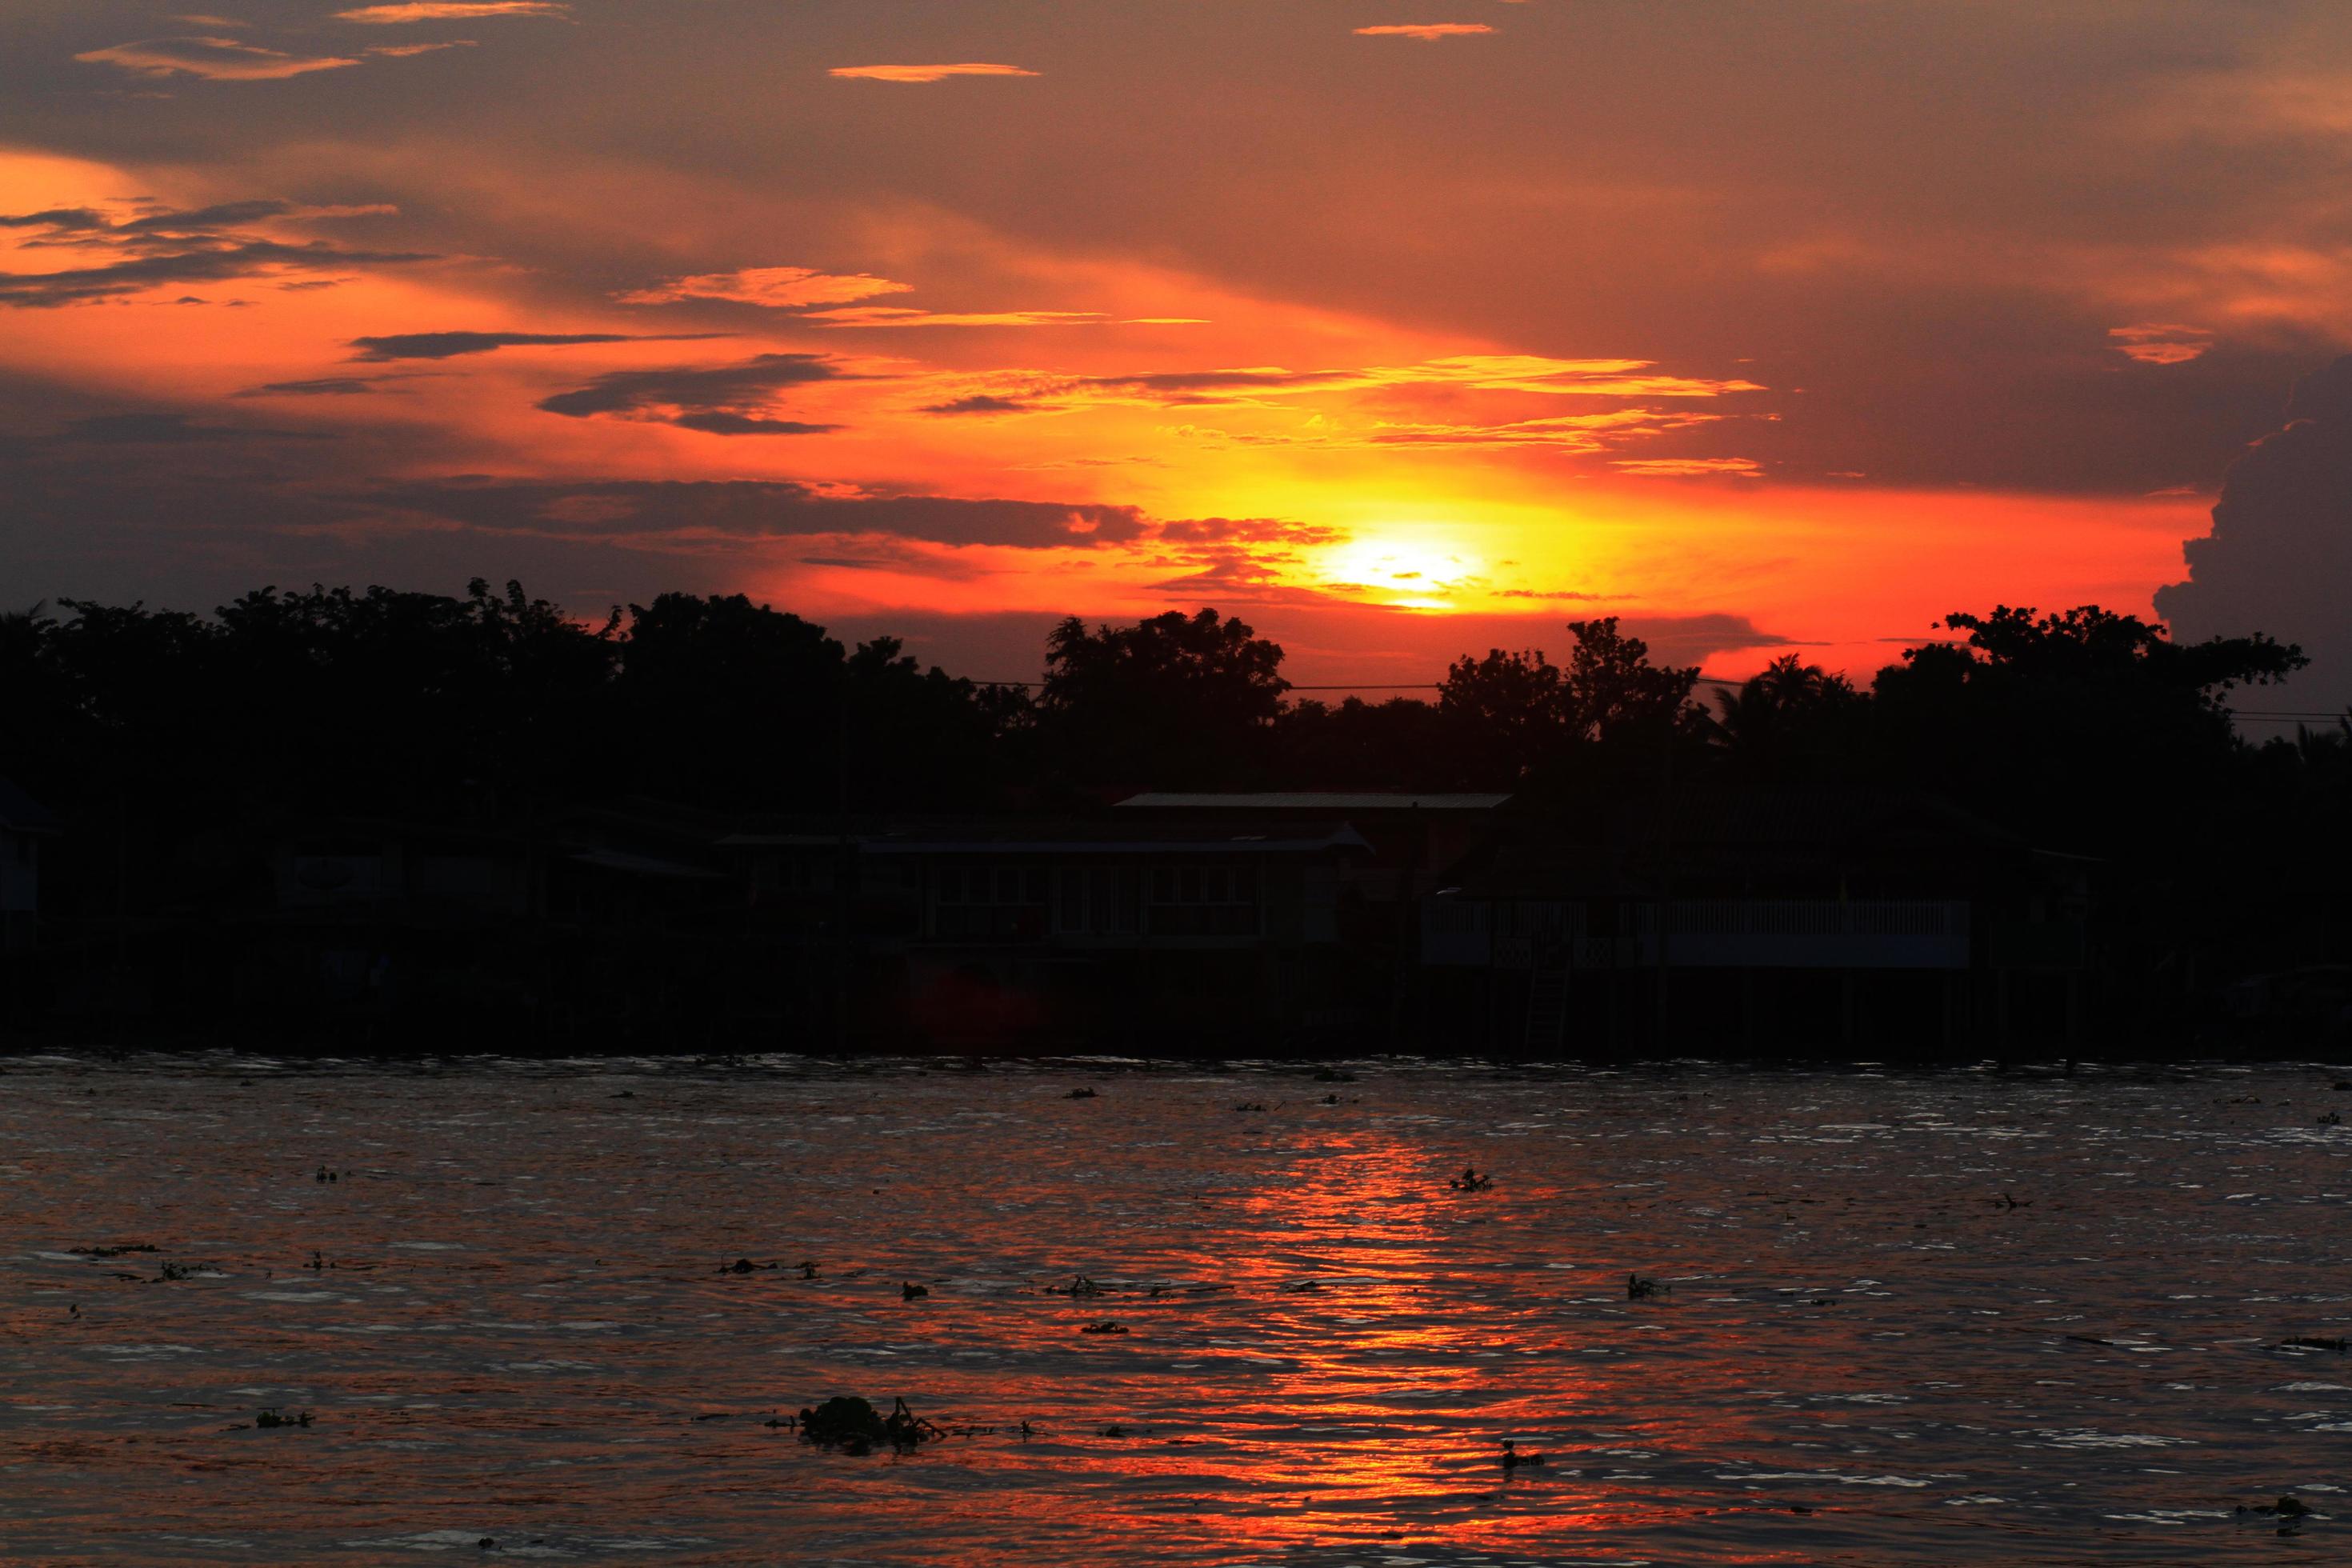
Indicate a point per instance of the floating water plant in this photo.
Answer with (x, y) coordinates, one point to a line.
(1105, 1327)
(912, 1292)
(851, 1425)
(1641, 1287)
(1079, 1094)
(2290, 1510)
(1470, 1181)
(126, 1247)
(272, 1417)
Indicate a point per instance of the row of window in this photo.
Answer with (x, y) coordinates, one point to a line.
(1009, 902)
(990, 884)
(1180, 884)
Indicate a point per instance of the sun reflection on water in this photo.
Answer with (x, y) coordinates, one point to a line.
(511, 1320)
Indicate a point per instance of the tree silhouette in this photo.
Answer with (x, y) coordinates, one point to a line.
(1175, 701)
(1610, 689)
(730, 703)
(1398, 744)
(2085, 727)
(1506, 712)
(1791, 720)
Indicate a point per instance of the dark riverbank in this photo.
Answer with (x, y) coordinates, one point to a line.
(371, 819)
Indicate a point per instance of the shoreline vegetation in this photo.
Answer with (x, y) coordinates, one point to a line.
(686, 802)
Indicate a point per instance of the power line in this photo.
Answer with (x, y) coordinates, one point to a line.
(2268, 715)
(1343, 685)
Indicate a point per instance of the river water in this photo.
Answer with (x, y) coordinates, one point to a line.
(1959, 1317)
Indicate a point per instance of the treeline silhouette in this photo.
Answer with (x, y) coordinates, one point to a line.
(172, 744)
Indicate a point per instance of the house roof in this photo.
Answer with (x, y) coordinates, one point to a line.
(1311, 800)
(22, 812)
(1131, 837)
(786, 841)
(622, 862)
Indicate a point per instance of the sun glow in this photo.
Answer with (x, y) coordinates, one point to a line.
(1405, 570)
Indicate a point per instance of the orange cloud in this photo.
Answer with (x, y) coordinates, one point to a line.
(212, 60)
(784, 287)
(401, 51)
(925, 73)
(1689, 467)
(2159, 343)
(1427, 32)
(449, 10)
(1478, 373)
(165, 248)
(907, 316)
(1565, 432)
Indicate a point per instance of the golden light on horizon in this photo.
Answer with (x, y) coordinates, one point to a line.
(1459, 379)
(1414, 569)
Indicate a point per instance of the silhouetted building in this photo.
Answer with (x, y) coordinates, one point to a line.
(1208, 935)
(1412, 838)
(24, 823)
(1787, 918)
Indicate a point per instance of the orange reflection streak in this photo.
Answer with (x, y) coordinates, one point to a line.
(1350, 1260)
(520, 1325)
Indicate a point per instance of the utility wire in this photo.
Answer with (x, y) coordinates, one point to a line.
(2266, 715)
(1344, 684)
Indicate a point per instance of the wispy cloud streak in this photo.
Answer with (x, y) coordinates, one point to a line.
(211, 60)
(924, 73)
(1427, 32)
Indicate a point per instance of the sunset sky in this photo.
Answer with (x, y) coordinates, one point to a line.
(1399, 329)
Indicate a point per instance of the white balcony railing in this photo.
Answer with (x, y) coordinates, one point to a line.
(1703, 933)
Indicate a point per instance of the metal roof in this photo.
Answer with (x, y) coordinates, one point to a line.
(785, 840)
(620, 861)
(1309, 800)
(1088, 837)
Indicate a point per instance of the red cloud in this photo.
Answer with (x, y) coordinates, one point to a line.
(1427, 32)
(925, 73)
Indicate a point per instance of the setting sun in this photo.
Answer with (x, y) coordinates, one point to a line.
(1408, 571)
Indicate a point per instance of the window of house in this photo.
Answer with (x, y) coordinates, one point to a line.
(991, 903)
(1204, 898)
(1114, 900)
